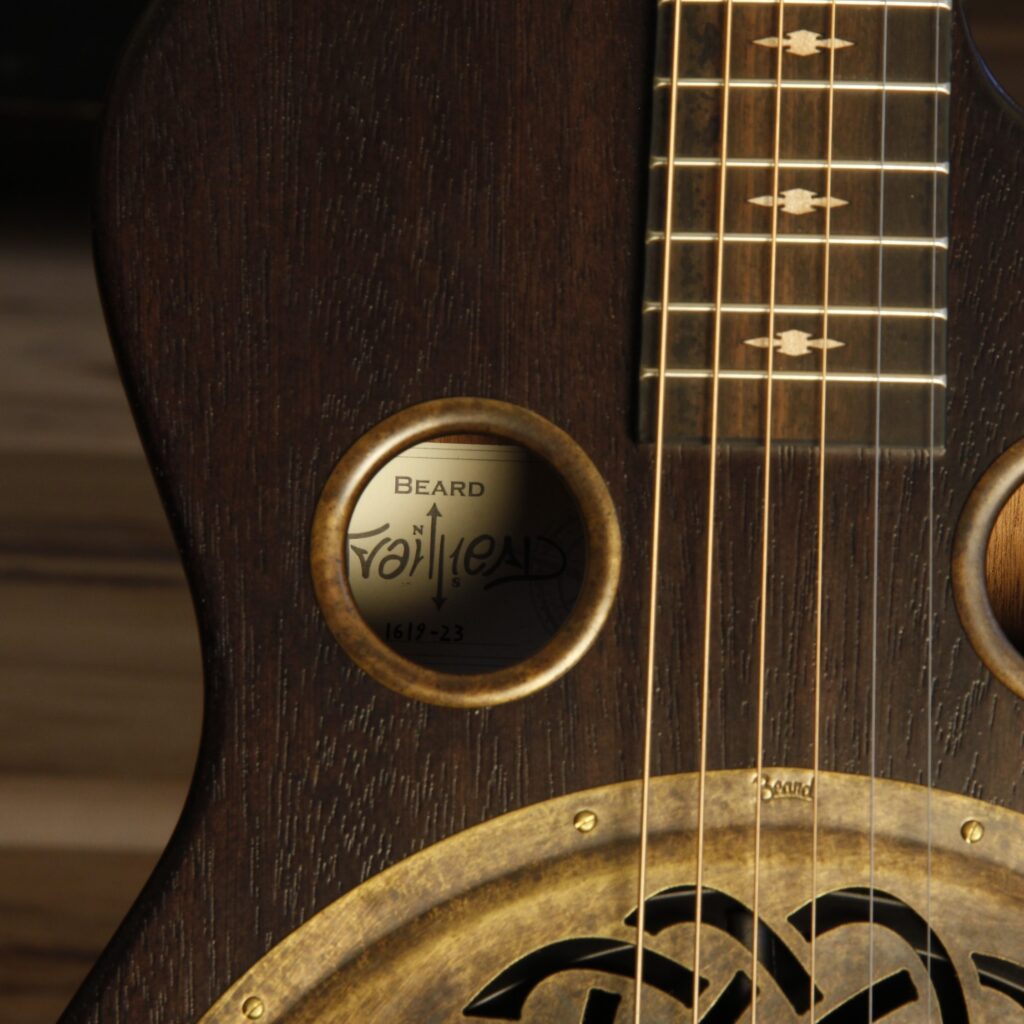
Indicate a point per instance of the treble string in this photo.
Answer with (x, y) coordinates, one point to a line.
(765, 524)
(876, 538)
(930, 634)
(822, 436)
(659, 448)
(712, 486)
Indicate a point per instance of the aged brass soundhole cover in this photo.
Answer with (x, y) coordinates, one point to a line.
(465, 573)
(529, 917)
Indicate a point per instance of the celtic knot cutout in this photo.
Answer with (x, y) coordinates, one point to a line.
(506, 996)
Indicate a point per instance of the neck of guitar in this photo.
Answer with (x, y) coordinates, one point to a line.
(841, 269)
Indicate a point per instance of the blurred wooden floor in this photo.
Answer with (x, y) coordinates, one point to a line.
(99, 666)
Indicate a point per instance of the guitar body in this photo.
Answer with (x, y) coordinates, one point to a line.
(314, 216)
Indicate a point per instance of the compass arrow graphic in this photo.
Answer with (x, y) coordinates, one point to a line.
(434, 514)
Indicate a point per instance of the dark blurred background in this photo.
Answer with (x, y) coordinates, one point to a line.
(99, 665)
(56, 59)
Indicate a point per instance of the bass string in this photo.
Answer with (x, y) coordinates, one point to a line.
(876, 539)
(705, 684)
(822, 438)
(766, 508)
(659, 448)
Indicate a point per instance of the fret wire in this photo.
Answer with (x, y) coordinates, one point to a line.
(808, 376)
(756, 163)
(924, 5)
(812, 85)
(867, 241)
(894, 312)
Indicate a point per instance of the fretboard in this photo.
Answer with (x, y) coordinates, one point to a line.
(886, 234)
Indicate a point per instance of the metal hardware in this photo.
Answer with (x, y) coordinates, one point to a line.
(585, 821)
(466, 416)
(517, 919)
(973, 831)
(253, 1008)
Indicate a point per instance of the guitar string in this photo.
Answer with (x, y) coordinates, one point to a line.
(659, 447)
(765, 517)
(930, 636)
(705, 687)
(876, 540)
(822, 437)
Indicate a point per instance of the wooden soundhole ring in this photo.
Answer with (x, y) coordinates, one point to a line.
(431, 420)
(970, 587)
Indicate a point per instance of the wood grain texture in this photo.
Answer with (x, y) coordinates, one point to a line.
(311, 217)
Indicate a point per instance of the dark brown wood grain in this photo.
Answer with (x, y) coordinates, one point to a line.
(312, 216)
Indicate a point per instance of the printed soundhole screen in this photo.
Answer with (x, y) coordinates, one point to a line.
(465, 555)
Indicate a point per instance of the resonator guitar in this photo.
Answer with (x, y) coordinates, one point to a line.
(583, 425)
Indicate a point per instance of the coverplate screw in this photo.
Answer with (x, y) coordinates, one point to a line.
(585, 821)
(252, 1008)
(972, 830)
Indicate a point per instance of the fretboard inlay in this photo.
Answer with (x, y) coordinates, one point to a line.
(876, 204)
(794, 343)
(803, 43)
(798, 201)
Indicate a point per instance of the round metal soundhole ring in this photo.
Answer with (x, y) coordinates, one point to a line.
(465, 416)
(970, 587)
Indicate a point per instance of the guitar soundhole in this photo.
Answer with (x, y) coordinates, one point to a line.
(987, 580)
(1004, 569)
(466, 554)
